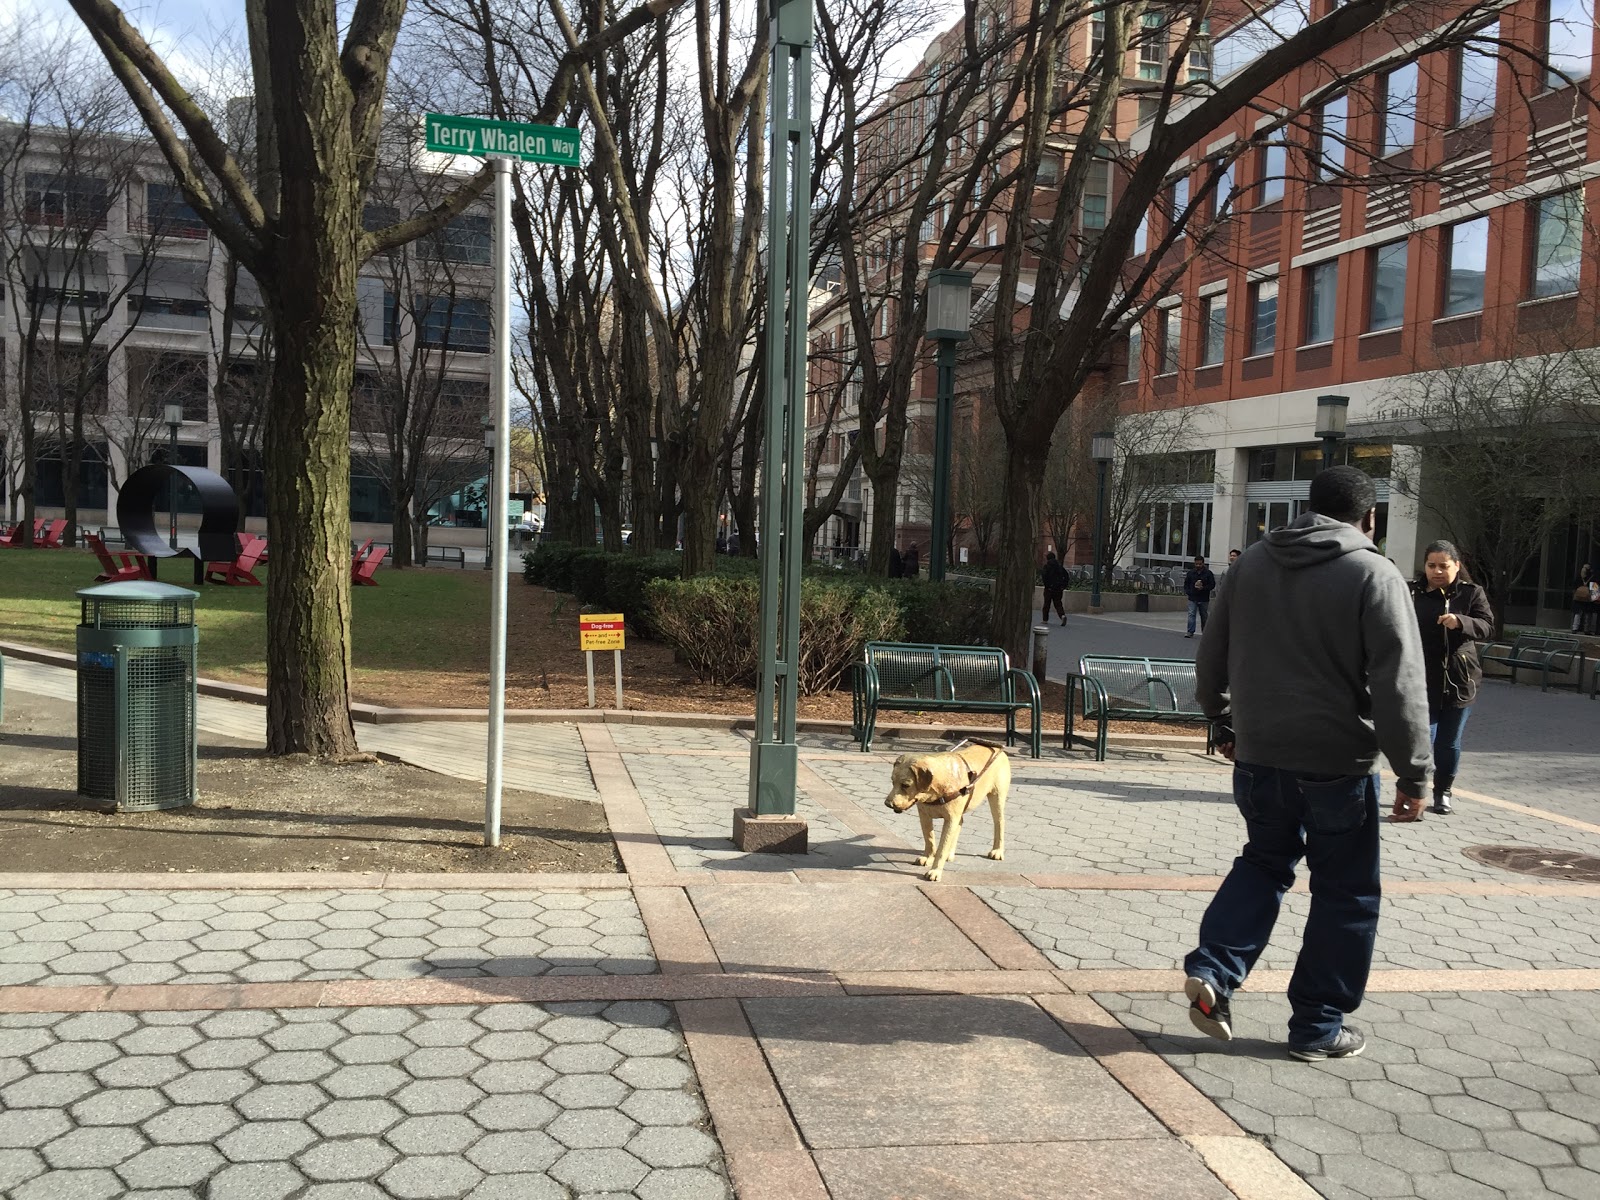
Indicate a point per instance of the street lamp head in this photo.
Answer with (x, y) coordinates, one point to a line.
(488, 434)
(1333, 412)
(949, 305)
(1103, 447)
(174, 414)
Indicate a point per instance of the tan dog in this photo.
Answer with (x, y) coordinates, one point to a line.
(950, 785)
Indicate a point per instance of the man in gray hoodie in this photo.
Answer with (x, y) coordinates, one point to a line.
(1312, 658)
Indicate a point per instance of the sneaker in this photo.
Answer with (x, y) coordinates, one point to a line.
(1441, 804)
(1063, 622)
(1347, 1043)
(1208, 1011)
(1188, 635)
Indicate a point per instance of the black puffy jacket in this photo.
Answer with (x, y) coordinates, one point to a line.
(1451, 655)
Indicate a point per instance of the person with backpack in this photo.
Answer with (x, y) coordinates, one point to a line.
(1453, 616)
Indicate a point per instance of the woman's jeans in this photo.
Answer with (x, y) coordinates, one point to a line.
(1445, 733)
(1331, 822)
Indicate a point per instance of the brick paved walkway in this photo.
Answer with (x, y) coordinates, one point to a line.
(805, 1027)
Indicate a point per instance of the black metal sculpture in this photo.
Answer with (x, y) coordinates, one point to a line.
(219, 514)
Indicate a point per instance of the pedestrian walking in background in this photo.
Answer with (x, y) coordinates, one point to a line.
(1311, 668)
(897, 565)
(1055, 580)
(1584, 601)
(913, 562)
(1453, 616)
(1199, 585)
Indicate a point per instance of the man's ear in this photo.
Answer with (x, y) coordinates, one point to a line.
(1369, 523)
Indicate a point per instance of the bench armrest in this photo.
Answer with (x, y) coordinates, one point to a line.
(865, 682)
(1017, 676)
(1172, 696)
(1091, 687)
(949, 683)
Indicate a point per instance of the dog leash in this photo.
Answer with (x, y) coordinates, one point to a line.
(974, 776)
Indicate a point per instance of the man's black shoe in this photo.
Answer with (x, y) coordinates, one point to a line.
(1347, 1043)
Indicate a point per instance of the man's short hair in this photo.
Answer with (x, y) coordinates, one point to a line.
(1199, 558)
(1343, 493)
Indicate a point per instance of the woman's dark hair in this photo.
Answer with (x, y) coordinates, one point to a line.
(1448, 549)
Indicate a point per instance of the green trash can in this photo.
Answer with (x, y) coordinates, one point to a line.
(137, 703)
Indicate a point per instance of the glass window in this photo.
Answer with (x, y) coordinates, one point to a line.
(1135, 349)
(167, 212)
(464, 240)
(1558, 244)
(1322, 290)
(1264, 316)
(1097, 34)
(1141, 235)
(1271, 165)
(1049, 173)
(1466, 250)
(1171, 338)
(1200, 54)
(1096, 195)
(1153, 46)
(1180, 197)
(1214, 322)
(1399, 109)
(1387, 299)
(1569, 41)
(81, 201)
(1477, 74)
(1328, 160)
(453, 323)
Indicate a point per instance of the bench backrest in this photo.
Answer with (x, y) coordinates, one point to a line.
(1131, 682)
(910, 669)
(1540, 643)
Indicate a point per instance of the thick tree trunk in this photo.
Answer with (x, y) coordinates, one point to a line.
(885, 497)
(1019, 540)
(308, 502)
(30, 478)
(400, 529)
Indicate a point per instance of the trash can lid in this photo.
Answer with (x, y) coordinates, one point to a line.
(136, 589)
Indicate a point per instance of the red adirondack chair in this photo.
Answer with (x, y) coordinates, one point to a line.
(115, 567)
(9, 536)
(241, 571)
(361, 570)
(49, 537)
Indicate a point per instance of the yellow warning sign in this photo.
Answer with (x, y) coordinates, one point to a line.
(600, 631)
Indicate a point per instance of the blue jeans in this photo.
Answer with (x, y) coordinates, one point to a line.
(1331, 822)
(1201, 607)
(1445, 733)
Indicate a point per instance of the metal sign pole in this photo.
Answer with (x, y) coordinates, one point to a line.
(500, 386)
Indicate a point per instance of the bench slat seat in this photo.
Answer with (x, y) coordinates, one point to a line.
(1134, 689)
(910, 677)
(1538, 652)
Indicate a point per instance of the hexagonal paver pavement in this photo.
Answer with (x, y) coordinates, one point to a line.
(1154, 930)
(101, 937)
(1459, 1096)
(511, 1099)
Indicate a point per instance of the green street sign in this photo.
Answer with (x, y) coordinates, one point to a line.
(479, 137)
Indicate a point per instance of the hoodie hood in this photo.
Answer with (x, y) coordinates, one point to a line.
(1313, 538)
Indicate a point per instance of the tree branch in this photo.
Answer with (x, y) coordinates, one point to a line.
(436, 218)
(141, 71)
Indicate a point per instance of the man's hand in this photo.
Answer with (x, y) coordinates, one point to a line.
(1226, 750)
(1406, 808)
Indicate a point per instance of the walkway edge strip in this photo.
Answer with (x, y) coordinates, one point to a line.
(986, 929)
(767, 1160)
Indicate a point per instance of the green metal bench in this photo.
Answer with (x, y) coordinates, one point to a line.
(926, 678)
(1132, 689)
(1540, 652)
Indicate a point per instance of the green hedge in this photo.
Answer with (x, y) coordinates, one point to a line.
(713, 622)
(948, 614)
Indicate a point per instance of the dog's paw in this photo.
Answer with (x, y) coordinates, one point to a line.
(922, 860)
(933, 875)
(997, 855)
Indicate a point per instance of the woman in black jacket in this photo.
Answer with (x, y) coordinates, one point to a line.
(1453, 616)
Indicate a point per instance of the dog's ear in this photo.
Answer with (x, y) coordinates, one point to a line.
(923, 777)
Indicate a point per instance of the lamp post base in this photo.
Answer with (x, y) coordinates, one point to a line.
(769, 835)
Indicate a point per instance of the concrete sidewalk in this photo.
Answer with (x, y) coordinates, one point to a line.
(713, 1024)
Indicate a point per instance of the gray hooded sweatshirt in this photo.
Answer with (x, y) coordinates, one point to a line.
(1313, 647)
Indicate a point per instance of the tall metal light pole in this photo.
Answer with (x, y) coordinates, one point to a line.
(174, 415)
(1102, 448)
(949, 322)
(769, 821)
(1333, 412)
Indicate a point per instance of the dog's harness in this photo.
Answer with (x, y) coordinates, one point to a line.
(972, 776)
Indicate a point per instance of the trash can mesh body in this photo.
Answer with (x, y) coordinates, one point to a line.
(136, 698)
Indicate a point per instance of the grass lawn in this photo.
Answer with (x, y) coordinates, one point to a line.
(413, 621)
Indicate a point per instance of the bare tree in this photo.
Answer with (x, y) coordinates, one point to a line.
(1506, 453)
(319, 106)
